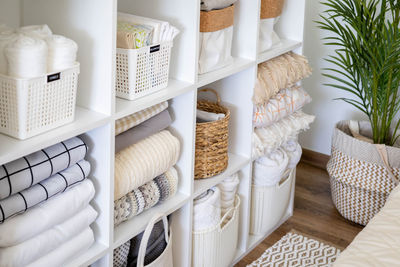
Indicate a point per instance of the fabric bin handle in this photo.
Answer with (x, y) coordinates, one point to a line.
(146, 236)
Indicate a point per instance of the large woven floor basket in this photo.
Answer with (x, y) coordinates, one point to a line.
(211, 156)
(360, 180)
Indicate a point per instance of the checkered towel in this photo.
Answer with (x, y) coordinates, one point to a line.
(27, 171)
(130, 121)
(19, 203)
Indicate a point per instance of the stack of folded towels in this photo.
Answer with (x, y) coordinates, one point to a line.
(45, 213)
(135, 32)
(33, 51)
(278, 118)
(144, 162)
(213, 204)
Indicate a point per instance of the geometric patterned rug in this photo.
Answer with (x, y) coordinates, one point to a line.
(295, 249)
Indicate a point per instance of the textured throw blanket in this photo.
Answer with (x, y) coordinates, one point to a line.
(268, 170)
(141, 162)
(279, 73)
(43, 243)
(44, 216)
(207, 210)
(21, 202)
(135, 202)
(228, 188)
(27, 171)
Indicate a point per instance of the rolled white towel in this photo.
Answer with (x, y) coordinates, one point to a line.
(27, 57)
(228, 188)
(268, 170)
(204, 116)
(207, 210)
(6, 37)
(38, 31)
(294, 151)
(61, 53)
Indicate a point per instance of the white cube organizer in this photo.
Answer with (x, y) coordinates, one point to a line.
(208, 246)
(269, 204)
(142, 71)
(29, 107)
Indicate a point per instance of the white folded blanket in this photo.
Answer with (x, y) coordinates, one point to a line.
(40, 245)
(228, 188)
(142, 162)
(67, 251)
(46, 215)
(207, 210)
(294, 151)
(38, 31)
(268, 170)
(204, 116)
(61, 53)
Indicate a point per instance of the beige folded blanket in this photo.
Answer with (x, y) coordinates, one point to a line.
(141, 162)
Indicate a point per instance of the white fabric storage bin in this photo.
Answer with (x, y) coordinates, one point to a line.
(29, 107)
(142, 71)
(268, 37)
(216, 247)
(269, 204)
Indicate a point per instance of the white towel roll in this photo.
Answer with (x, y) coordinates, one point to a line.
(204, 116)
(268, 170)
(61, 53)
(27, 57)
(294, 151)
(228, 188)
(207, 210)
(6, 37)
(38, 31)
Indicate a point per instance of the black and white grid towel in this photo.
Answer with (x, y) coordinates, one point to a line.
(27, 171)
(44, 190)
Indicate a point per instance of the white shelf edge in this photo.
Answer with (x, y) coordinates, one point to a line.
(238, 65)
(235, 164)
(94, 253)
(283, 47)
(85, 120)
(137, 224)
(175, 88)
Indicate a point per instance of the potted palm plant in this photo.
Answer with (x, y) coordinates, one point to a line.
(365, 161)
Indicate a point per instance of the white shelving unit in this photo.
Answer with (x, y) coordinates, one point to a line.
(92, 24)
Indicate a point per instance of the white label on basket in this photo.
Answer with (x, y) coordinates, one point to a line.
(53, 77)
(155, 48)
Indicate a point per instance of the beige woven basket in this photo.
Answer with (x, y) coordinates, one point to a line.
(271, 8)
(360, 179)
(211, 156)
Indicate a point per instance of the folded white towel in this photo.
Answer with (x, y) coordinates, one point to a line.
(268, 170)
(268, 36)
(204, 116)
(27, 57)
(67, 251)
(6, 37)
(207, 210)
(294, 151)
(38, 31)
(207, 5)
(228, 188)
(46, 215)
(38, 246)
(61, 54)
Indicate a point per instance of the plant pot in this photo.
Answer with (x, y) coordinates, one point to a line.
(360, 181)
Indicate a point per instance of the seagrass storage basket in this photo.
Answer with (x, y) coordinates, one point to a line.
(271, 8)
(211, 155)
(360, 181)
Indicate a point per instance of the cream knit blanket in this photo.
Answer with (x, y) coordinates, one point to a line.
(141, 162)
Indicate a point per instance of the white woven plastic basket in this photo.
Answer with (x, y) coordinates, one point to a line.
(269, 205)
(29, 107)
(142, 71)
(217, 247)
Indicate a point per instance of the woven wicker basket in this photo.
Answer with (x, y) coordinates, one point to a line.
(271, 8)
(360, 180)
(211, 140)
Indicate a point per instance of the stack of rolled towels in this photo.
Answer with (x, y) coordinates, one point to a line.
(45, 213)
(278, 118)
(213, 204)
(144, 162)
(135, 32)
(33, 51)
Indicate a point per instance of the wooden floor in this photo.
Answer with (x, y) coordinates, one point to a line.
(314, 214)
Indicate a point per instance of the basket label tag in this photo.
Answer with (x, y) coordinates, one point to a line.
(155, 48)
(53, 77)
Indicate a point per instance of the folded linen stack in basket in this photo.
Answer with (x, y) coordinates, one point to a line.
(144, 160)
(49, 190)
(33, 51)
(278, 118)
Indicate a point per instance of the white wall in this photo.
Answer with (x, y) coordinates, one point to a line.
(327, 110)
